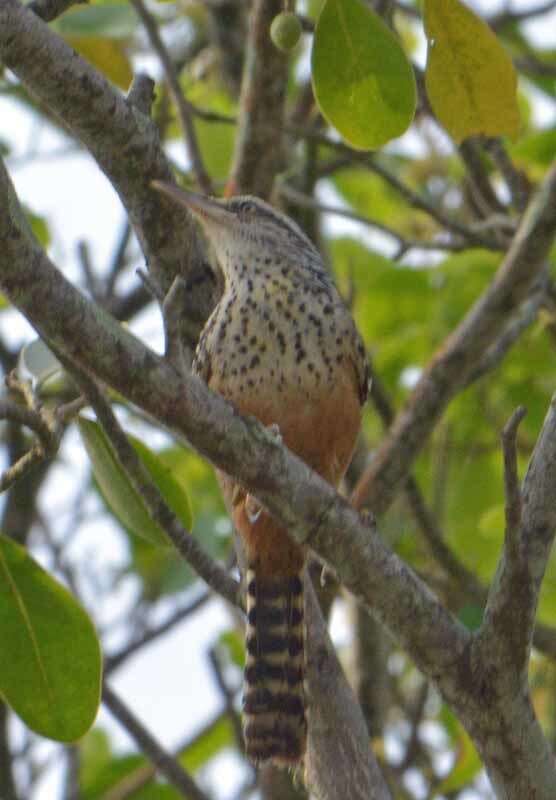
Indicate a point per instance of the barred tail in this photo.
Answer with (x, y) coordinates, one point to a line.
(274, 714)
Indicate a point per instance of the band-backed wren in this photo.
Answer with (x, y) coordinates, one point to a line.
(280, 346)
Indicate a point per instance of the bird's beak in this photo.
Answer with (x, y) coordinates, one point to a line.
(207, 209)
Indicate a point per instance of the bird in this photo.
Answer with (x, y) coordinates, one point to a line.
(281, 346)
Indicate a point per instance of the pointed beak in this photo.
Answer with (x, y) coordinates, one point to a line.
(206, 209)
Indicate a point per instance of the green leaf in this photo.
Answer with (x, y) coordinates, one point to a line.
(172, 490)
(115, 486)
(538, 148)
(39, 226)
(233, 643)
(94, 753)
(107, 20)
(492, 522)
(50, 661)
(466, 767)
(107, 775)
(363, 82)
(471, 616)
(470, 79)
(216, 139)
(211, 742)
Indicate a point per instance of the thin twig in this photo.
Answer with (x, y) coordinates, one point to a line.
(510, 17)
(544, 636)
(403, 245)
(511, 479)
(208, 569)
(494, 355)
(112, 662)
(168, 766)
(118, 260)
(413, 198)
(135, 780)
(515, 180)
(483, 194)
(228, 698)
(46, 426)
(184, 108)
(507, 631)
(448, 371)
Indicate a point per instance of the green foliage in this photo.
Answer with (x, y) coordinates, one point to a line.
(179, 476)
(216, 139)
(210, 743)
(98, 33)
(50, 666)
(538, 148)
(234, 646)
(370, 196)
(404, 308)
(363, 82)
(118, 491)
(106, 20)
(160, 570)
(470, 79)
(101, 770)
(39, 226)
(468, 764)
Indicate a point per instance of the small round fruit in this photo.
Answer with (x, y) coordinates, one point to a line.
(285, 31)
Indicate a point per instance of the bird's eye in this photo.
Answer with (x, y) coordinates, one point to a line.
(246, 208)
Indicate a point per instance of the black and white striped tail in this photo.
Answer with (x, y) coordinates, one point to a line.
(274, 714)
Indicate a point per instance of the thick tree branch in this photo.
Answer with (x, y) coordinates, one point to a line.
(335, 716)
(307, 505)
(449, 369)
(544, 636)
(503, 727)
(530, 527)
(123, 141)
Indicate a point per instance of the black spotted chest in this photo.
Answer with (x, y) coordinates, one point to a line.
(272, 335)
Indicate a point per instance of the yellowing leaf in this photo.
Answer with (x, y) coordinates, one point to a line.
(470, 79)
(363, 82)
(107, 55)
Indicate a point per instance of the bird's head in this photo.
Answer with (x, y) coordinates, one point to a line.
(244, 226)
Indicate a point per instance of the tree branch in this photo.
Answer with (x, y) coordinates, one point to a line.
(209, 570)
(123, 141)
(335, 715)
(309, 507)
(115, 660)
(448, 370)
(298, 498)
(509, 620)
(258, 155)
(162, 760)
(412, 198)
(184, 109)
